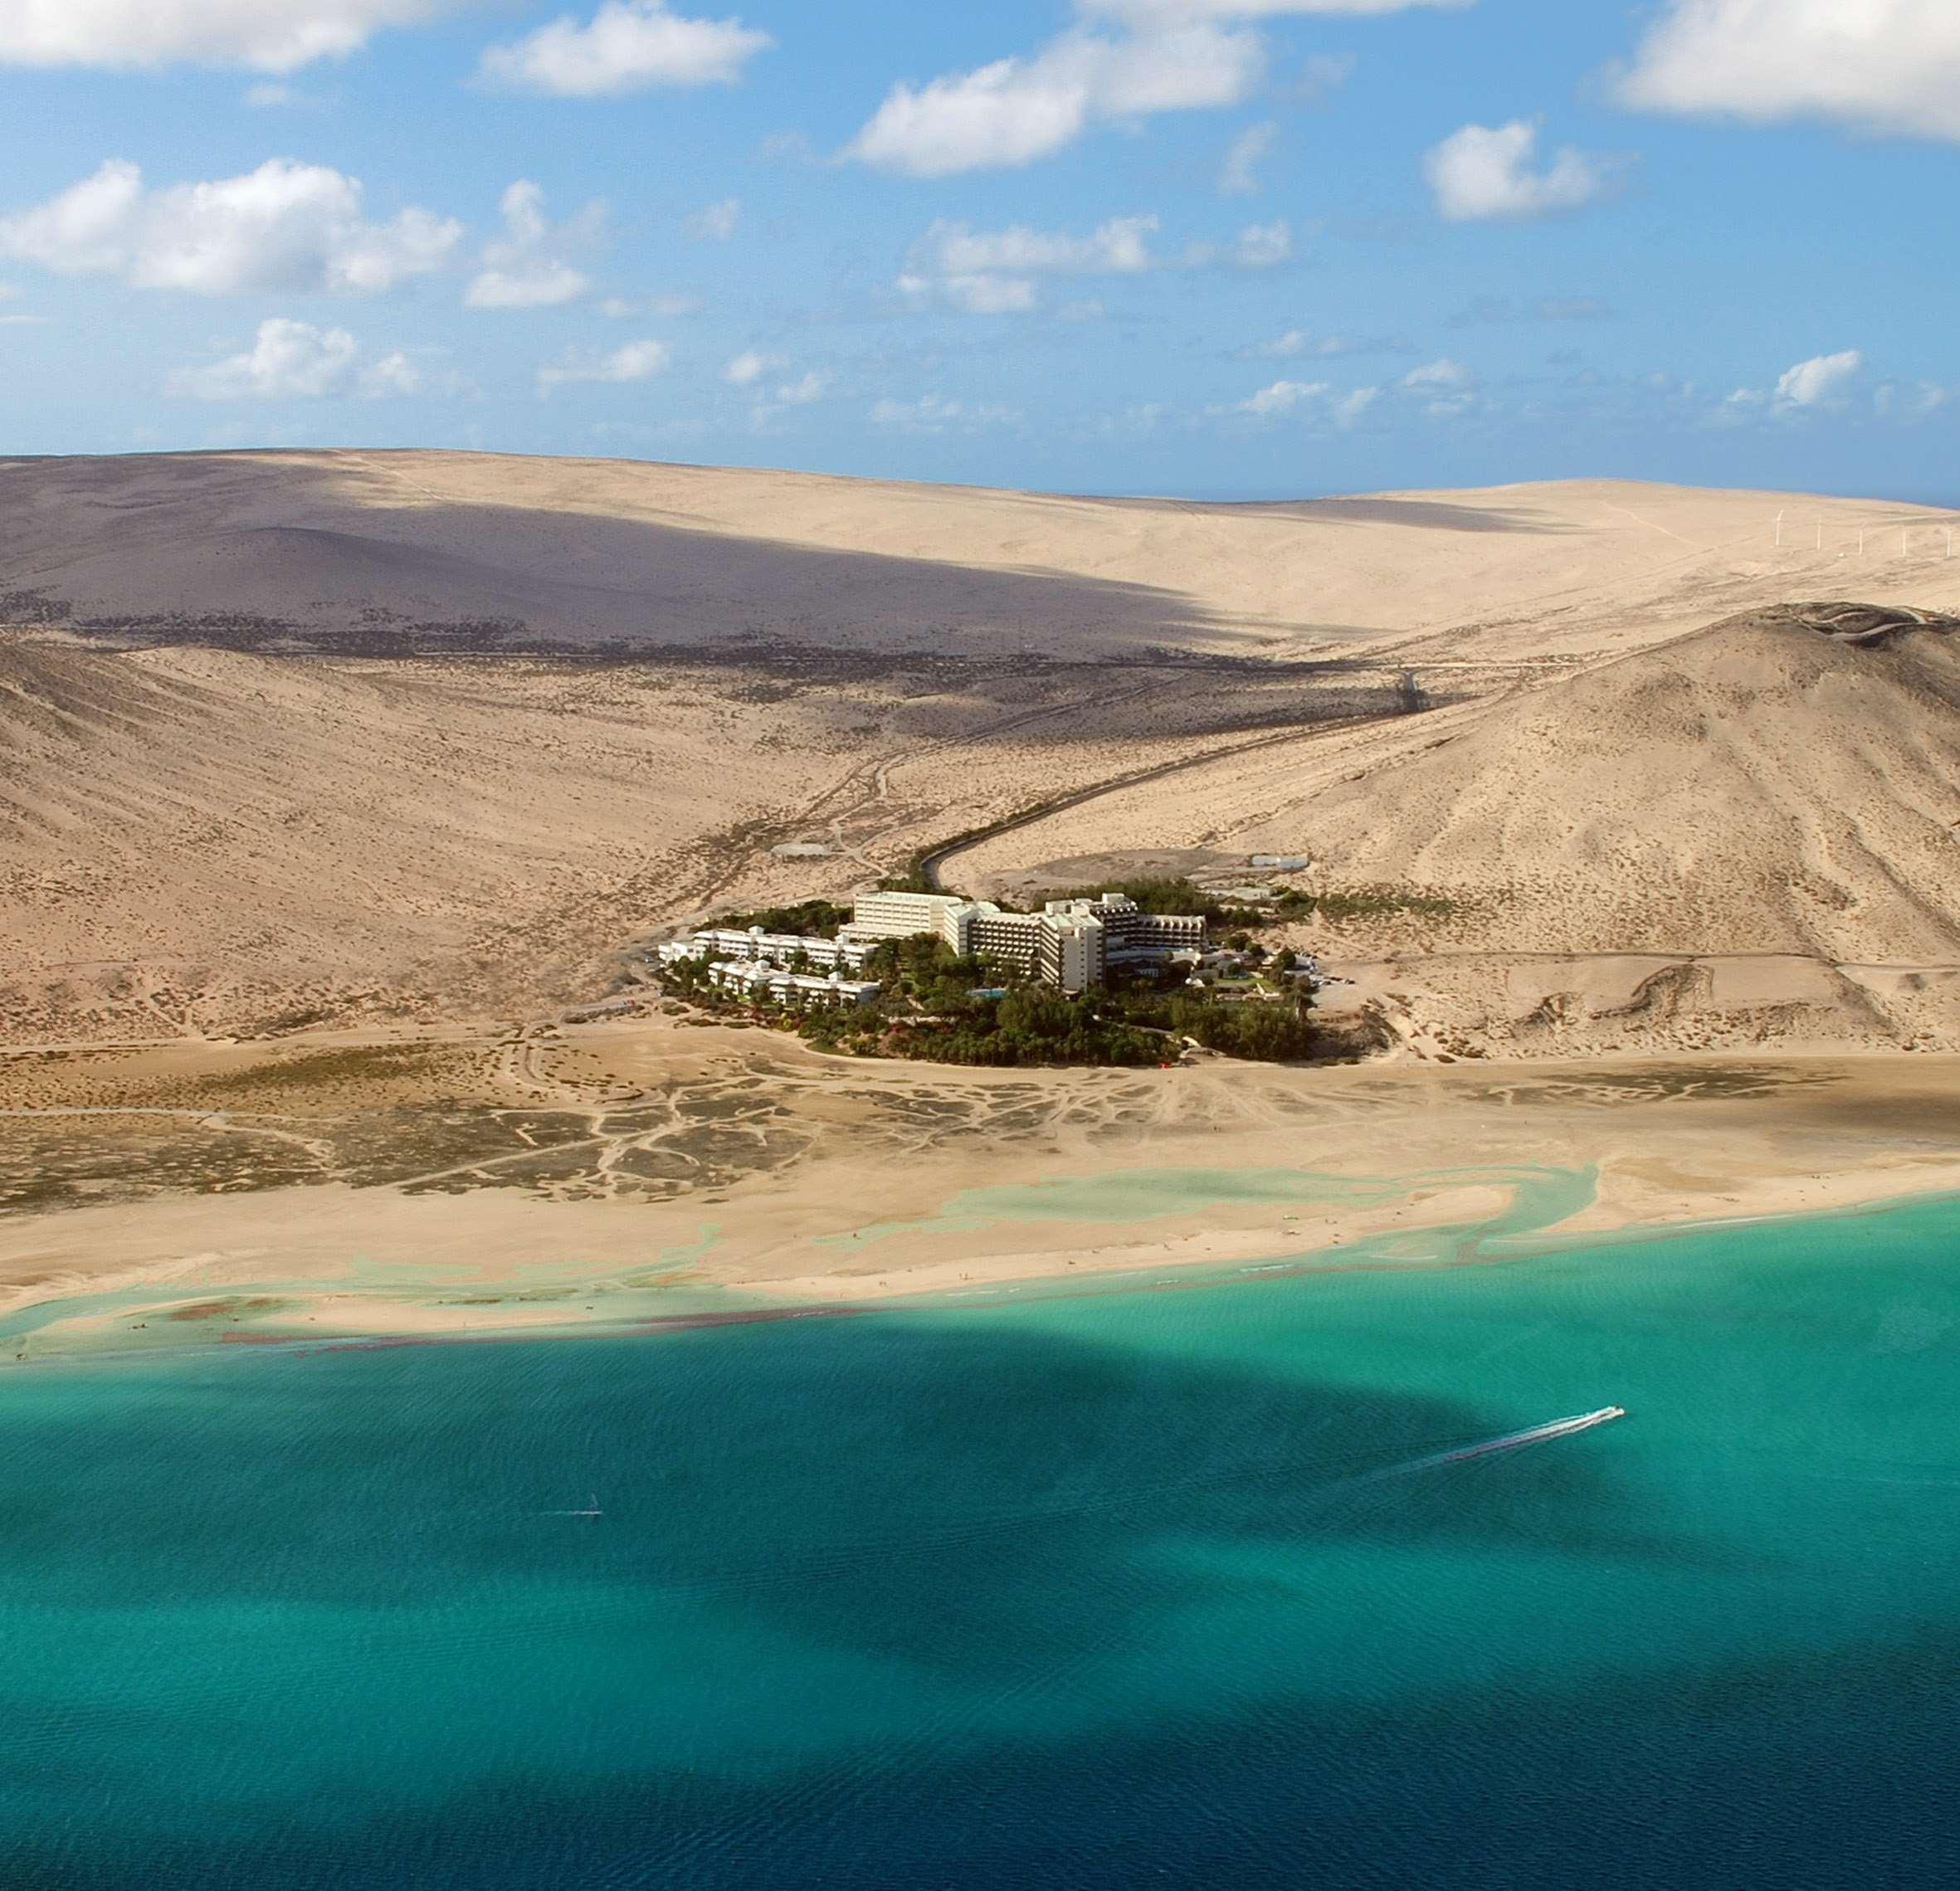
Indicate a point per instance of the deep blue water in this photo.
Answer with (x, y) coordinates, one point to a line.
(1097, 1591)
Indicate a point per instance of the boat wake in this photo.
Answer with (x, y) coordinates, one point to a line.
(1510, 1441)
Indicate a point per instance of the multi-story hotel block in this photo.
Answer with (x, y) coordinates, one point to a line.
(1071, 944)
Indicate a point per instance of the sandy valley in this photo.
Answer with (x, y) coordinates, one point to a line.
(342, 790)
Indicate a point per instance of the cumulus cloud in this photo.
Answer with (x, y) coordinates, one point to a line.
(804, 390)
(628, 46)
(935, 413)
(1283, 397)
(286, 228)
(1484, 172)
(1816, 382)
(1122, 60)
(745, 369)
(716, 223)
(295, 361)
(1889, 66)
(1238, 176)
(1444, 386)
(1316, 400)
(994, 272)
(268, 36)
(637, 361)
(774, 405)
(1263, 246)
(530, 265)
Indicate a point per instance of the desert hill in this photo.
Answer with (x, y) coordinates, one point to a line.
(389, 551)
(302, 737)
(1777, 782)
(1762, 816)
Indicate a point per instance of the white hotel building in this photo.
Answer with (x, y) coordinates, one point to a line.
(1070, 943)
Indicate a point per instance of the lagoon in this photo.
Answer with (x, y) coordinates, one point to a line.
(1097, 1589)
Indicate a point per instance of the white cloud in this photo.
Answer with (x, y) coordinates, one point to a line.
(716, 223)
(1263, 246)
(771, 407)
(1014, 111)
(1485, 172)
(1238, 176)
(1144, 12)
(1887, 65)
(1809, 387)
(286, 228)
(1444, 386)
(1283, 397)
(1311, 400)
(295, 361)
(530, 266)
(637, 361)
(628, 46)
(995, 272)
(268, 36)
(392, 374)
(1348, 410)
(744, 370)
(1815, 382)
(1299, 341)
(934, 413)
(1316, 400)
(1918, 402)
(1122, 60)
(804, 391)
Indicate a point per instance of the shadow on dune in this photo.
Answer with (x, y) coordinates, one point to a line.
(223, 550)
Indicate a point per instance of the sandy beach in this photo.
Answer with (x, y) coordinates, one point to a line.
(874, 1183)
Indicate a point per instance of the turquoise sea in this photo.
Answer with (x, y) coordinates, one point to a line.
(1122, 1588)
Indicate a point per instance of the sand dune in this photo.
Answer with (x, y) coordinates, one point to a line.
(1781, 787)
(358, 544)
(318, 734)
(1755, 787)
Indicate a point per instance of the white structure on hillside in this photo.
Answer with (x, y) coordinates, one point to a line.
(1071, 944)
(748, 979)
(911, 916)
(757, 947)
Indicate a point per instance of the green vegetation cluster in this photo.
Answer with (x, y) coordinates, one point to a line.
(1171, 895)
(938, 1007)
(811, 919)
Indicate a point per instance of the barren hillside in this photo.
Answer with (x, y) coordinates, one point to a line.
(325, 736)
(386, 551)
(1781, 787)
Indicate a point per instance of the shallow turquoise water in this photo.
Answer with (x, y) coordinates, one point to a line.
(1073, 1591)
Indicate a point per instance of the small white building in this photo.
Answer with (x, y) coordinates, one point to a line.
(749, 979)
(756, 947)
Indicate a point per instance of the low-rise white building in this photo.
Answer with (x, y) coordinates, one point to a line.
(747, 978)
(755, 946)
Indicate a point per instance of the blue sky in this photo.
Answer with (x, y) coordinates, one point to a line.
(1219, 247)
